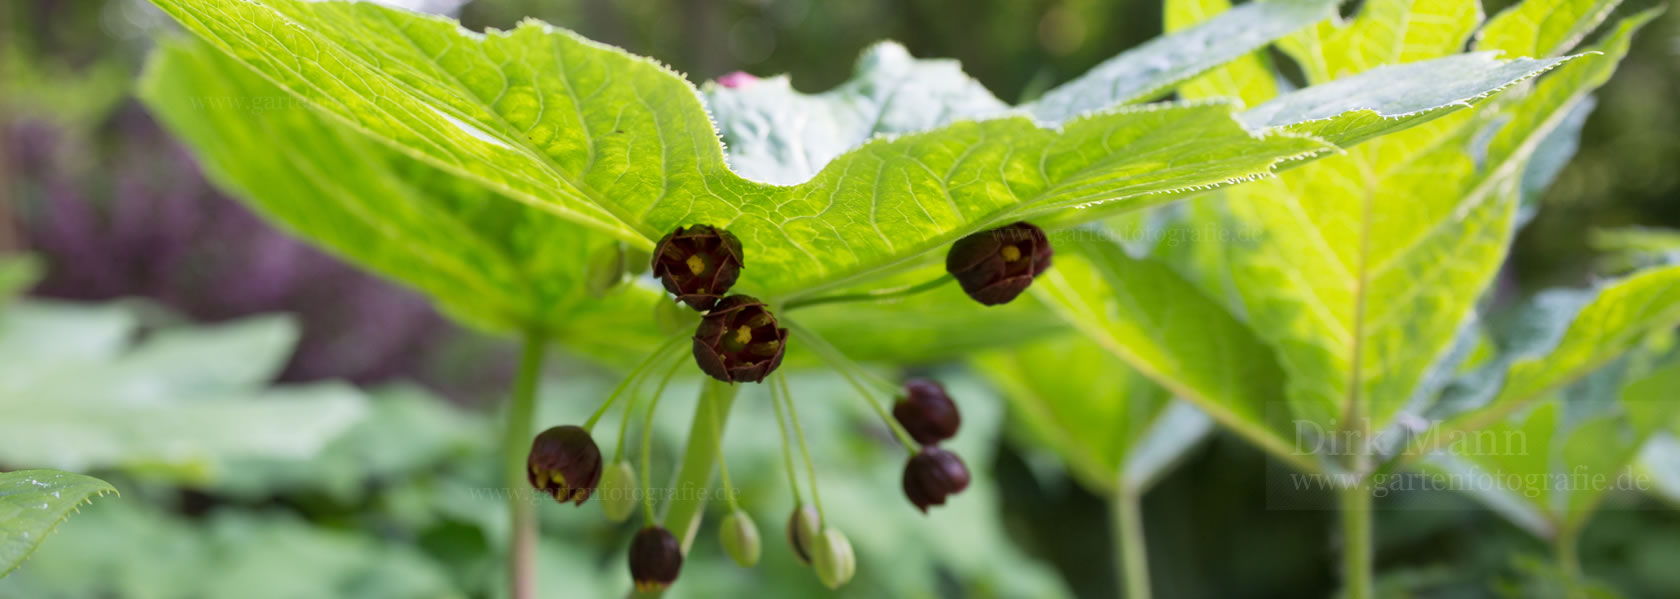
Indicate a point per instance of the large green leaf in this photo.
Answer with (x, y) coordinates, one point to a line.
(33, 503)
(1112, 427)
(1618, 317)
(179, 402)
(488, 261)
(1163, 326)
(1550, 468)
(1362, 269)
(622, 145)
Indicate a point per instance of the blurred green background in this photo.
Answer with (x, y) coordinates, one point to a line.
(383, 503)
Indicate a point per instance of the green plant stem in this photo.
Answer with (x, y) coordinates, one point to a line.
(516, 443)
(804, 449)
(787, 444)
(682, 514)
(647, 441)
(629, 379)
(1565, 551)
(850, 371)
(723, 463)
(871, 296)
(1129, 543)
(1356, 540)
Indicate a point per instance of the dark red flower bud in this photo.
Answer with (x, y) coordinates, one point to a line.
(926, 412)
(933, 475)
(565, 463)
(655, 559)
(738, 341)
(698, 264)
(995, 266)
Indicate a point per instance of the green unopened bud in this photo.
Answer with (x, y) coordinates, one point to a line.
(833, 559)
(635, 261)
(618, 492)
(672, 317)
(740, 539)
(605, 269)
(802, 531)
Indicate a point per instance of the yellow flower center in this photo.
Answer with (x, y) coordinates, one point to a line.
(743, 334)
(696, 265)
(1010, 253)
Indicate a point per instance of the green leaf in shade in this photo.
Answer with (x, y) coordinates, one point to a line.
(1112, 427)
(1621, 315)
(1549, 469)
(178, 403)
(1143, 312)
(33, 503)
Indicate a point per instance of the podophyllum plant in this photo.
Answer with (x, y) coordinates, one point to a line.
(518, 177)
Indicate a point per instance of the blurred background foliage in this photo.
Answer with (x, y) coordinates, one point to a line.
(384, 497)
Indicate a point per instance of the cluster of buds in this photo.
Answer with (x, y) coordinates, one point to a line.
(927, 413)
(738, 339)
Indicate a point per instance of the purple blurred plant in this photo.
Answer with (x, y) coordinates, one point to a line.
(124, 211)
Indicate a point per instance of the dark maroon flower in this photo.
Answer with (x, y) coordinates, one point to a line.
(995, 266)
(738, 341)
(698, 264)
(655, 559)
(933, 475)
(926, 412)
(565, 463)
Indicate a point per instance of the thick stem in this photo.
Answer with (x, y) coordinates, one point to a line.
(1129, 543)
(516, 443)
(1356, 540)
(1568, 558)
(682, 513)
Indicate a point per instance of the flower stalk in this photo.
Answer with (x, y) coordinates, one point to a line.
(516, 441)
(1130, 547)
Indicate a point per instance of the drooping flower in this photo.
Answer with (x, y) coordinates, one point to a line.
(655, 559)
(995, 266)
(565, 463)
(698, 264)
(932, 475)
(738, 341)
(926, 412)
